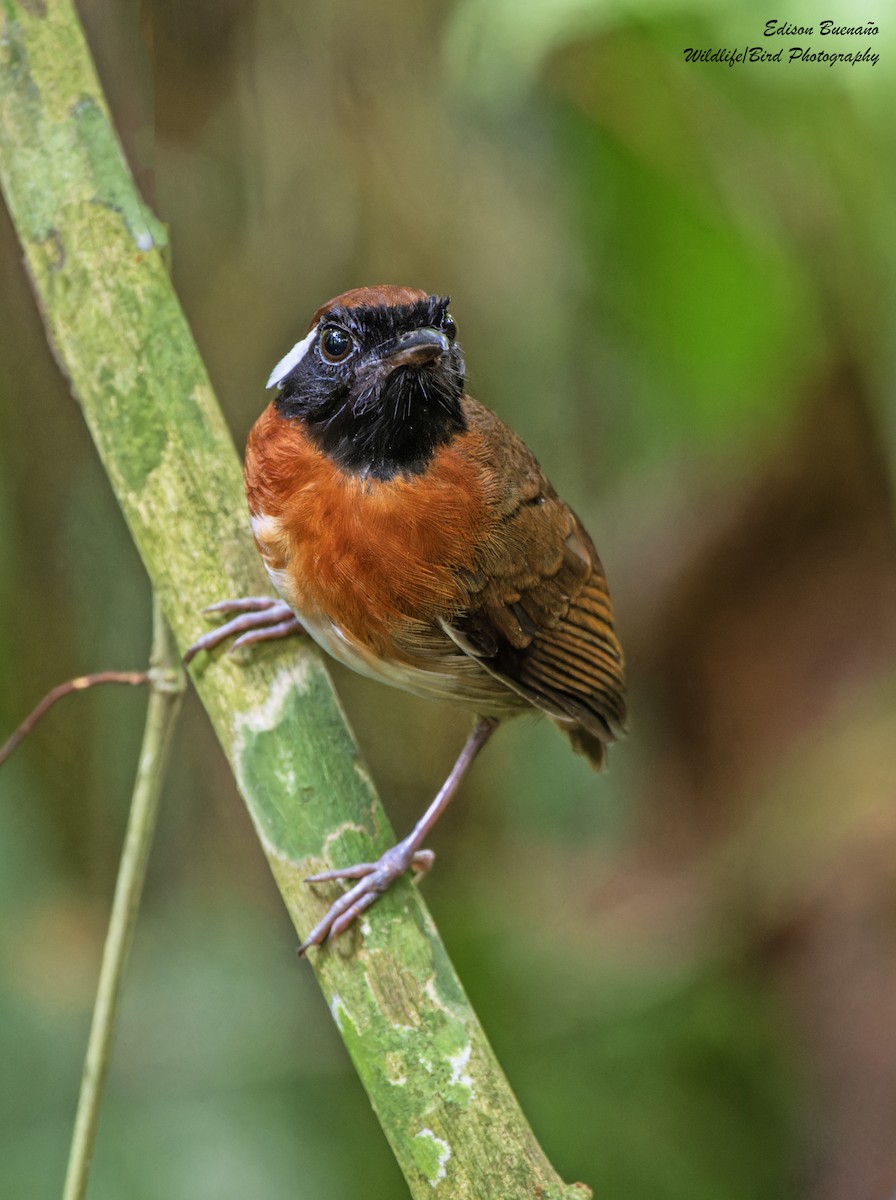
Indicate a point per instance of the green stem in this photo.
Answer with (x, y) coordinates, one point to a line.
(167, 682)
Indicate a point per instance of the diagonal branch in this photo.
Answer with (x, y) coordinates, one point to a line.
(91, 249)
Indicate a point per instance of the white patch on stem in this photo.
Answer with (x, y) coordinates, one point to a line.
(269, 713)
(460, 1076)
(444, 1153)
(337, 1010)
(288, 361)
(336, 834)
(260, 719)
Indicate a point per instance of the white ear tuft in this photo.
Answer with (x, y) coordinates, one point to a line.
(295, 356)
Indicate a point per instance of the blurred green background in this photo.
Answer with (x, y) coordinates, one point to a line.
(677, 282)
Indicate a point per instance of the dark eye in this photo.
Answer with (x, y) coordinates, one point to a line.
(449, 328)
(335, 344)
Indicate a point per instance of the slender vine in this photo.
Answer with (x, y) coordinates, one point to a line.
(166, 686)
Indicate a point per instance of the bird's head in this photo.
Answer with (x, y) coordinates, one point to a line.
(377, 381)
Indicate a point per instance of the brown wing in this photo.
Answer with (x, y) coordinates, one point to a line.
(538, 613)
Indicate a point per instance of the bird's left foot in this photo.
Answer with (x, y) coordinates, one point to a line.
(257, 619)
(374, 879)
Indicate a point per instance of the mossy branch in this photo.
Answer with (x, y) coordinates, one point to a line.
(92, 251)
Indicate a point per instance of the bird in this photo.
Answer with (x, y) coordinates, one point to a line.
(413, 535)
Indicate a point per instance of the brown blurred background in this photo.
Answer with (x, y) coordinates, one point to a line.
(677, 282)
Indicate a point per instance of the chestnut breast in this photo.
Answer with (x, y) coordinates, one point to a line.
(375, 558)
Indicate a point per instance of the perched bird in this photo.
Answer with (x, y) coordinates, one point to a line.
(414, 536)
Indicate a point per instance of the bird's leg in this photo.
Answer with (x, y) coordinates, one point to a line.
(374, 878)
(257, 619)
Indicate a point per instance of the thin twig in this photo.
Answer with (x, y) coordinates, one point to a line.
(166, 679)
(65, 689)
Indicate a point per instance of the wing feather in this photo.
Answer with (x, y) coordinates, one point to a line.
(543, 621)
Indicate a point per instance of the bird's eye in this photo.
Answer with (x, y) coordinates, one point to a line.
(449, 328)
(335, 344)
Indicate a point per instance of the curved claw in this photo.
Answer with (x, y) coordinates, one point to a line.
(374, 879)
(358, 871)
(258, 619)
(421, 861)
(267, 633)
(244, 604)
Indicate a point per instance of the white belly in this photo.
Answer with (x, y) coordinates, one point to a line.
(459, 679)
